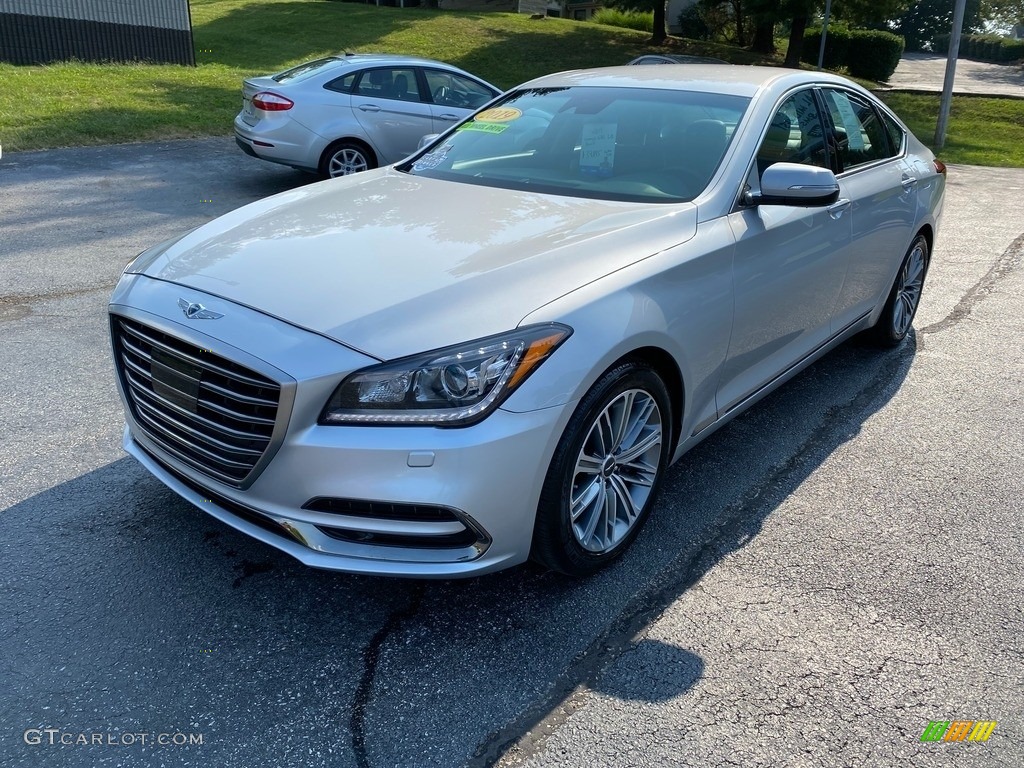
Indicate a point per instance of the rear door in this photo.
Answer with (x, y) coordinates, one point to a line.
(389, 107)
(882, 187)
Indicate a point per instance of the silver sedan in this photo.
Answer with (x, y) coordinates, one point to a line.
(495, 350)
(354, 112)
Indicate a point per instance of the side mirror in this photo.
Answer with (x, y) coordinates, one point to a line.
(426, 140)
(807, 186)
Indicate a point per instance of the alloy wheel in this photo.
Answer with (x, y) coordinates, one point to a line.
(346, 161)
(908, 291)
(615, 470)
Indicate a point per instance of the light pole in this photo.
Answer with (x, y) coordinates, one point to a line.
(947, 85)
(824, 33)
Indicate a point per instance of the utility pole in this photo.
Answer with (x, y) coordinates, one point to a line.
(824, 33)
(947, 86)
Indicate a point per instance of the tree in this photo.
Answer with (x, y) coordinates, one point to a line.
(797, 12)
(928, 18)
(658, 34)
(1003, 13)
(869, 13)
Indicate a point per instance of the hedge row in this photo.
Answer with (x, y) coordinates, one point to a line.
(866, 53)
(983, 47)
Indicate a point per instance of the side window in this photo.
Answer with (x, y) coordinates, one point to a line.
(451, 90)
(342, 84)
(795, 135)
(389, 83)
(860, 137)
(896, 133)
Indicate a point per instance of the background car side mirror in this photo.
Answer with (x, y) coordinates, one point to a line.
(426, 140)
(794, 184)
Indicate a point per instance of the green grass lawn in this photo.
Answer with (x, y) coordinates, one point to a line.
(981, 131)
(74, 104)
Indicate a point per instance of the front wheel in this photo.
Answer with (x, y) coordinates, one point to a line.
(901, 306)
(346, 157)
(605, 473)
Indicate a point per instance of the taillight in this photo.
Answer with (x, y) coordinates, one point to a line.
(940, 167)
(271, 102)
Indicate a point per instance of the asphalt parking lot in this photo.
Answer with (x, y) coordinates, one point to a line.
(820, 579)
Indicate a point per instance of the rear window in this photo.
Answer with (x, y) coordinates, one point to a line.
(305, 70)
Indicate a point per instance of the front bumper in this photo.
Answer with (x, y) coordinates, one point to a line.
(487, 476)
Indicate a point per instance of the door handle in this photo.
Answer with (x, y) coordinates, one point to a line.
(909, 182)
(448, 116)
(838, 208)
(369, 108)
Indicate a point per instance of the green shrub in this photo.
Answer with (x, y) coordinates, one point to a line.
(984, 47)
(693, 25)
(613, 17)
(873, 54)
(837, 43)
(1011, 50)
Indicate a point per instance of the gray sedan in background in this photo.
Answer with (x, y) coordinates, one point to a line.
(349, 113)
(495, 349)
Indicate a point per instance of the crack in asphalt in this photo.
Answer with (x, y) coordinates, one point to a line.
(1003, 266)
(529, 732)
(32, 298)
(737, 528)
(371, 656)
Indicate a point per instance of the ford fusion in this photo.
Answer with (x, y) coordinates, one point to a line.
(495, 349)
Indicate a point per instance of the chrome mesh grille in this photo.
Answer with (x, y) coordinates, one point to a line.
(204, 410)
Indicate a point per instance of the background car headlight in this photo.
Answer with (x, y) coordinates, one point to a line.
(454, 386)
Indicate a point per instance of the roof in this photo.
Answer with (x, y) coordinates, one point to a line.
(713, 78)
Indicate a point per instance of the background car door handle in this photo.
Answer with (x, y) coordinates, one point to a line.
(369, 108)
(448, 116)
(908, 183)
(837, 209)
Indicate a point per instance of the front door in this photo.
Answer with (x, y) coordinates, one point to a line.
(789, 264)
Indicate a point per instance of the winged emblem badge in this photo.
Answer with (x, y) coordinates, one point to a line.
(195, 311)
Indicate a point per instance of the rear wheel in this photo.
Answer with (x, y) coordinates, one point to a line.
(346, 157)
(901, 306)
(605, 473)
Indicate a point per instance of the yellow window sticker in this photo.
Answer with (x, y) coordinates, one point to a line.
(499, 115)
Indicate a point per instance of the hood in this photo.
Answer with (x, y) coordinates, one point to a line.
(393, 264)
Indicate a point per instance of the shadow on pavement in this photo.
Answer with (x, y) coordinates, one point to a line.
(126, 608)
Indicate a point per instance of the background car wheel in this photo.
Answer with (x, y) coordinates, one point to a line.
(345, 157)
(605, 473)
(894, 324)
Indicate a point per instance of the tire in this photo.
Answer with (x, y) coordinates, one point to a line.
(628, 410)
(346, 157)
(898, 314)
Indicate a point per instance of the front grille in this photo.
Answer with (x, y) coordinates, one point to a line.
(204, 410)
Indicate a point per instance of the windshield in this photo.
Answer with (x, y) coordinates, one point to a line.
(631, 144)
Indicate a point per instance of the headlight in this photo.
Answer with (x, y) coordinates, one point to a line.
(448, 387)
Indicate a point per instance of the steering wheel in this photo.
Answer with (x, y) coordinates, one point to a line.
(441, 94)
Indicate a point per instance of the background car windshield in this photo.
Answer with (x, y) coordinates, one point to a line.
(631, 144)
